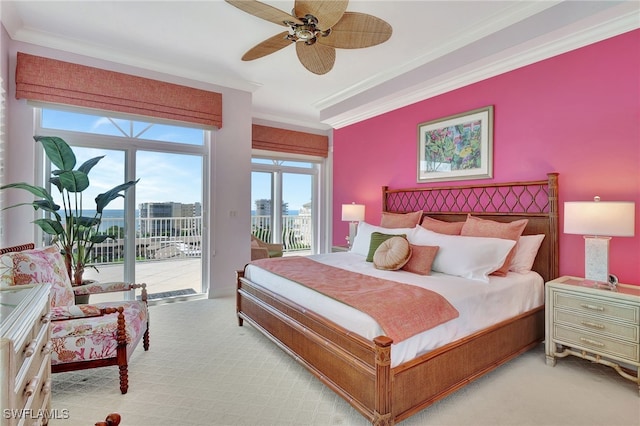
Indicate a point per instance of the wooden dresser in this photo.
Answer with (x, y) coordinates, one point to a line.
(600, 325)
(25, 348)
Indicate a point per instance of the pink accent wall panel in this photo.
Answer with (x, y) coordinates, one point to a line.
(577, 114)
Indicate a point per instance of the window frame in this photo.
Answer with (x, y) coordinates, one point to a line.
(130, 146)
(320, 172)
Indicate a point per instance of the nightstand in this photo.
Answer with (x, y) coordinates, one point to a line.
(600, 325)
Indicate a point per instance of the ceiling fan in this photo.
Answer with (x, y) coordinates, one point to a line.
(317, 28)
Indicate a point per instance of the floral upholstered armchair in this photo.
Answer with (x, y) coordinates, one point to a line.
(82, 336)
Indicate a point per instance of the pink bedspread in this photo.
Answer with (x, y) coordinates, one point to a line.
(402, 310)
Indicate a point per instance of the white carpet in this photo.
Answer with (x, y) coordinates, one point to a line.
(202, 369)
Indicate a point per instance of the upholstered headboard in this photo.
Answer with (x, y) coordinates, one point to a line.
(536, 201)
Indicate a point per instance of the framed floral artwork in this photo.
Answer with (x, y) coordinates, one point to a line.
(456, 147)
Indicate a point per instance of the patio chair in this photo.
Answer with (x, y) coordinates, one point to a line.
(262, 250)
(82, 336)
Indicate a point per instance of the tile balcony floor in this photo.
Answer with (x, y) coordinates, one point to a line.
(161, 276)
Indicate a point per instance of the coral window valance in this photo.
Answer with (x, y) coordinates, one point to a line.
(51, 80)
(289, 141)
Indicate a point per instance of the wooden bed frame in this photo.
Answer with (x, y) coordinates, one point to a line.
(359, 370)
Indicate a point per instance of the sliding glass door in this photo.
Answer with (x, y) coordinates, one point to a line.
(297, 224)
(158, 228)
(108, 258)
(283, 197)
(169, 219)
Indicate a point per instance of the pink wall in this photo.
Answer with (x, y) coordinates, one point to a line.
(577, 114)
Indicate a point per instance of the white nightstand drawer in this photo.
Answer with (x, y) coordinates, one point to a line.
(596, 343)
(599, 325)
(596, 306)
(28, 359)
(37, 393)
(26, 352)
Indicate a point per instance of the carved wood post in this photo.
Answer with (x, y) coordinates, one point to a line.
(383, 415)
(121, 337)
(144, 296)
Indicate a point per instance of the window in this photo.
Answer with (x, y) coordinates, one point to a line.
(284, 203)
(164, 243)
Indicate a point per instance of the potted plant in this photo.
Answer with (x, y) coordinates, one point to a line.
(73, 232)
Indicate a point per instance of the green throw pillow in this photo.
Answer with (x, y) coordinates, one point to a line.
(378, 238)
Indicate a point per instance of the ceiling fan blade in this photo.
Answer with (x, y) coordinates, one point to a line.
(270, 45)
(264, 11)
(356, 30)
(327, 12)
(316, 58)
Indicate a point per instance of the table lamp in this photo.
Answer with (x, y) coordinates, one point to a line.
(598, 221)
(353, 213)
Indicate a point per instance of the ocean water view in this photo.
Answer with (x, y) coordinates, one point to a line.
(114, 217)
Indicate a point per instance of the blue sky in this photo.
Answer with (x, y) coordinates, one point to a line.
(163, 177)
(296, 189)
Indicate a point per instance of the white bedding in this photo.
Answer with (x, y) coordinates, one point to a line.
(479, 304)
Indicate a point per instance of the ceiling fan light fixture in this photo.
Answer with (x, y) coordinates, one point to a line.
(319, 19)
(304, 32)
(307, 31)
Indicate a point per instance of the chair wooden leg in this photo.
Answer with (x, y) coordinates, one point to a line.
(121, 352)
(145, 338)
(124, 378)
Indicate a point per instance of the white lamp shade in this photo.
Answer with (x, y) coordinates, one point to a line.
(600, 218)
(353, 212)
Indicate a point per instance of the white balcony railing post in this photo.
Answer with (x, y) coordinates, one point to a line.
(180, 237)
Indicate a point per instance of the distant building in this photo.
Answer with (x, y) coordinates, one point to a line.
(151, 214)
(305, 210)
(263, 207)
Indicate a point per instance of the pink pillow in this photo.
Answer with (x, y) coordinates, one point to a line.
(442, 227)
(43, 265)
(476, 227)
(421, 259)
(400, 220)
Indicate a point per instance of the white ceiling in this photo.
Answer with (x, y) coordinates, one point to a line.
(436, 46)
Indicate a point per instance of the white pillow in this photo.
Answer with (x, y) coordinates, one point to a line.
(362, 240)
(468, 257)
(525, 253)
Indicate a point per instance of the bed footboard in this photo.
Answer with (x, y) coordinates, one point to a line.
(360, 370)
(351, 366)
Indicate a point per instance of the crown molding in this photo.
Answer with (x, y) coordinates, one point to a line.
(510, 60)
(517, 13)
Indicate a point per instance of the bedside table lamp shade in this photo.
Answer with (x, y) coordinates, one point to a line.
(598, 221)
(353, 213)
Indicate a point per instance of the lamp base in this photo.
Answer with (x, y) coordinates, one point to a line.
(353, 230)
(596, 259)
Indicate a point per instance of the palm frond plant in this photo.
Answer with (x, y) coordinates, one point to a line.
(74, 233)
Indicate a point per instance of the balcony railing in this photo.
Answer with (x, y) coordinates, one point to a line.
(296, 231)
(181, 237)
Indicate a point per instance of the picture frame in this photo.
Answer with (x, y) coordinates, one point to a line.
(456, 147)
